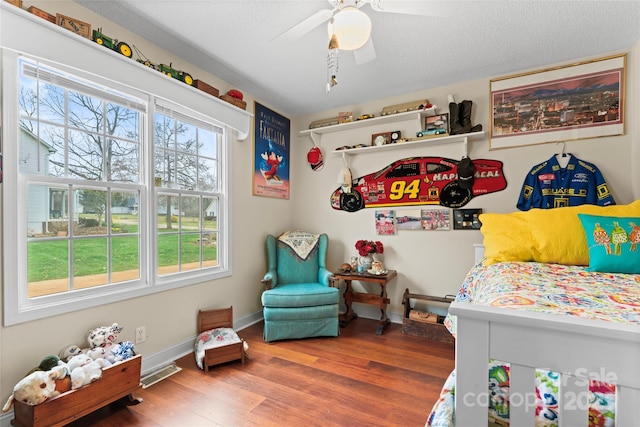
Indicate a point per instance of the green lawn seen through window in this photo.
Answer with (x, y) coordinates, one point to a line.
(48, 259)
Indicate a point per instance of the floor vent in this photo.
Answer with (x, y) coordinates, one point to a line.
(159, 375)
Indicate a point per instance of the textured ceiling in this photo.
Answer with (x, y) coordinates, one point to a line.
(233, 39)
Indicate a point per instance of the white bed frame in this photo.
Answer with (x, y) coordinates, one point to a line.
(579, 349)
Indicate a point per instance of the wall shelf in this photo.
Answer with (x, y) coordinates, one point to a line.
(428, 141)
(315, 134)
(416, 115)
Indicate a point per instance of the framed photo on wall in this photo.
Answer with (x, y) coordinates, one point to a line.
(438, 123)
(466, 219)
(583, 100)
(271, 148)
(437, 219)
(385, 222)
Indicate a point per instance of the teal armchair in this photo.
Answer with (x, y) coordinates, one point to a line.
(298, 301)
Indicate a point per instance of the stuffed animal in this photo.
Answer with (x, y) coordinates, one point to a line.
(123, 351)
(68, 352)
(84, 370)
(36, 387)
(104, 336)
(47, 363)
(100, 353)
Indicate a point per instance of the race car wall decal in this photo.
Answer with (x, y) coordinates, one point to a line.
(419, 181)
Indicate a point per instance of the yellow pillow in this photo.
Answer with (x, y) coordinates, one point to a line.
(543, 235)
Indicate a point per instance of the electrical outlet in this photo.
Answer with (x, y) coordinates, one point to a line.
(141, 334)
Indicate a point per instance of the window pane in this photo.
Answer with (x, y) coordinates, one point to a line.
(90, 263)
(210, 206)
(164, 132)
(47, 211)
(167, 253)
(44, 155)
(207, 174)
(186, 138)
(86, 157)
(207, 143)
(125, 258)
(124, 212)
(52, 101)
(210, 249)
(167, 212)
(165, 168)
(48, 267)
(190, 252)
(123, 122)
(91, 208)
(86, 112)
(186, 171)
(124, 161)
(190, 210)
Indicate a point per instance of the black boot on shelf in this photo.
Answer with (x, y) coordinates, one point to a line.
(455, 127)
(465, 118)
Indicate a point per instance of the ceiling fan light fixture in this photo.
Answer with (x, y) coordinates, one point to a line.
(351, 26)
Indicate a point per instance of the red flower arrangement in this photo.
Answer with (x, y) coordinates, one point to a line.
(366, 247)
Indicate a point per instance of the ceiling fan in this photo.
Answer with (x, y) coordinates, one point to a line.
(353, 27)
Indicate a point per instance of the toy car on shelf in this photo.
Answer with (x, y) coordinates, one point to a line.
(169, 71)
(437, 131)
(365, 117)
(113, 44)
(419, 181)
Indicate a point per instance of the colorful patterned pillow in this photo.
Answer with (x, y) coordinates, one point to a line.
(614, 243)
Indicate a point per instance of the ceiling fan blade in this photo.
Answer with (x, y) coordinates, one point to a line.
(366, 53)
(414, 7)
(305, 26)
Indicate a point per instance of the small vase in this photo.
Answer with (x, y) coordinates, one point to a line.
(364, 263)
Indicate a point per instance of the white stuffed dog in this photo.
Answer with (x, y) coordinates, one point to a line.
(84, 370)
(36, 387)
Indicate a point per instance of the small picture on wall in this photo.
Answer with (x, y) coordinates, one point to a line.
(409, 220)
(437, 125)
(385, 224)
(466, 219)
(436, 219)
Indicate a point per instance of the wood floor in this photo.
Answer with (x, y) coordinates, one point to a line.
(357, 379)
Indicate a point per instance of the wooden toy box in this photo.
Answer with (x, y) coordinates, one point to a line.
(118, 381)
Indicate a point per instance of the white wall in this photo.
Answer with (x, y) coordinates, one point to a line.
(427, 262)
(436, 262)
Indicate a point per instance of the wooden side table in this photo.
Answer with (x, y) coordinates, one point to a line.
(350, 296)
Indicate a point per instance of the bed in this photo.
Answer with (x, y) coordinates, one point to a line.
(217, 342)
(547, 333)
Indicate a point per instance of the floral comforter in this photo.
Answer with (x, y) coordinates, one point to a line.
(545, 288)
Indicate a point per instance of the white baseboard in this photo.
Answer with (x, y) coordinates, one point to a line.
(153, 362)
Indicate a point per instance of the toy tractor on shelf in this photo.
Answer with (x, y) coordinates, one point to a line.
(113, 44)
(164, 69)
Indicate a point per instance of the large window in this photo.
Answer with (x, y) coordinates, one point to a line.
(186, 162)
(117, 193)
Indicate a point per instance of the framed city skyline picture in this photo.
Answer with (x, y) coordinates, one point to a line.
(578, 101)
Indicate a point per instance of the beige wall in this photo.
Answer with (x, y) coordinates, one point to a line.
(169, 317)
(436, 262)
(428, 262)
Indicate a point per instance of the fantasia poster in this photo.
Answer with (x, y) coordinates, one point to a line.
(271, 153)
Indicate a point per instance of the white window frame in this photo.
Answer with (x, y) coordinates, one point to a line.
(22, 32)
